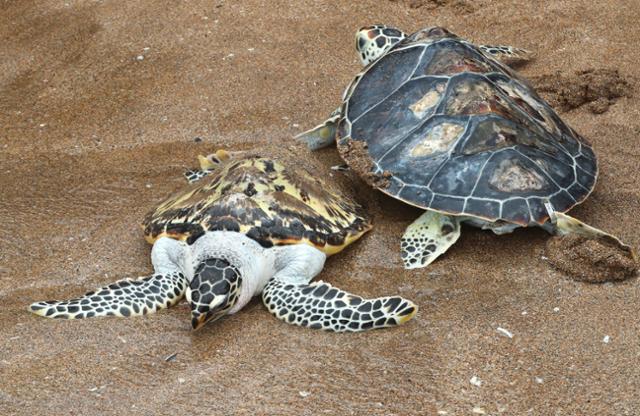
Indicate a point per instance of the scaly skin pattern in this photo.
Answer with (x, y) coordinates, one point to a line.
(215, 282)
(318, 305)
(440, 124)
(127, 297)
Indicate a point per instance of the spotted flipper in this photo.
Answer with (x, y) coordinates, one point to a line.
(508, 55)
(322, 135)
(127, 297)
(208, 164)
(427, 238)
(319, 305)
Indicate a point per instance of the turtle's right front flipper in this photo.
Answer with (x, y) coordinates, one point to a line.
(322, 135)
(127, 297)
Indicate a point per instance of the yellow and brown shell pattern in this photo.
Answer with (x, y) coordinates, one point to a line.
(264, 200)
(439, 124)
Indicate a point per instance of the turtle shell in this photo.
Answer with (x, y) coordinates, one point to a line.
(264, 200)
(440, 125)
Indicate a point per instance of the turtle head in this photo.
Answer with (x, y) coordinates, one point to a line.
(213, 291)
(374, 41)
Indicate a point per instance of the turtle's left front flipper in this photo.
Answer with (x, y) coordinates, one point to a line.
(291, 297)
(428, 237)
(319, 305)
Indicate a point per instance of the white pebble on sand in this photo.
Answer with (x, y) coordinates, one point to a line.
(539, 380)
(139, 58)
(181, 380)
(475, 381)
(478, 411)
(303, 393)
(606, 339)
(505, 332)
(556, 309)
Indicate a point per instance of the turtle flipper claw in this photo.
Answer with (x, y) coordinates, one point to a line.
(319, 305)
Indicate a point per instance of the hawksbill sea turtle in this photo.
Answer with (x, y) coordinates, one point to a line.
(246, 227)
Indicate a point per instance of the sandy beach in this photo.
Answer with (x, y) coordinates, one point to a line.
(104, 104)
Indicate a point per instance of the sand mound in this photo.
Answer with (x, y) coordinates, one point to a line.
(590, 260)
(460, 6)
(596, 88)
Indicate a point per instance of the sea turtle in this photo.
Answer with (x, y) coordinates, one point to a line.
(444, 125)
(251, 226)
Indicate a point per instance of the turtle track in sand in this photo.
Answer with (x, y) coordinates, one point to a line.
(595, 88)
(460, 6)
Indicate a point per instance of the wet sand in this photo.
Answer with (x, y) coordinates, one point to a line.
(95, 129)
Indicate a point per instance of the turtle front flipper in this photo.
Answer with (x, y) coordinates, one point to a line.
(322, 135)
(427, 238)
(319, 305)
(208, 164)
(127, 297)
(292, 297)
(508, 55)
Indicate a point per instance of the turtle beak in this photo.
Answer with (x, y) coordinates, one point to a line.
(213, 291)
(202, 313)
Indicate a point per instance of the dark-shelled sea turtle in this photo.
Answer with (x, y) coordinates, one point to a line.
(442, 124)
(249, 226)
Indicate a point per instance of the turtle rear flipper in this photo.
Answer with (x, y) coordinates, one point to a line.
(127, 297)
(563, 224)
(323, 134)
(508, 55)
(208, 164)
(427, 238)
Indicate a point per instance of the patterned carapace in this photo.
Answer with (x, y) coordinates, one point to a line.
(438, 123)
(262, 199)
